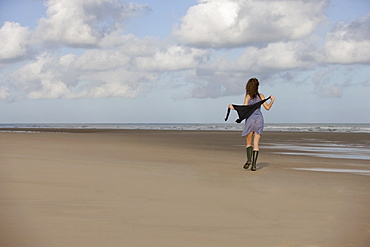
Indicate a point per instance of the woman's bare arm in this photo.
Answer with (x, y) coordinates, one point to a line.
(246, 99)
(267, 105)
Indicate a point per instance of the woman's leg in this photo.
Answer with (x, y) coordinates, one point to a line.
(256, 142)
(249, 139)
(249, 149)
(256, 149)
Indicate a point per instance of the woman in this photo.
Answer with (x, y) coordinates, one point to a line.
(254, 124)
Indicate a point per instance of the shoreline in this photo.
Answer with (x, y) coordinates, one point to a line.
(286, 127)
(179, 188)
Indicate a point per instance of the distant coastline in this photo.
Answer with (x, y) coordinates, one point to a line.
(296, 127)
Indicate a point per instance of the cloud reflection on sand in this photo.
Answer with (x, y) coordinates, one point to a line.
(353, 171)
(325, 150)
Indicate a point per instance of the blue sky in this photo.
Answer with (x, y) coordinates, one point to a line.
(112, 61)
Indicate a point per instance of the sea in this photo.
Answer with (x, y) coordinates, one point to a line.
(298, 127)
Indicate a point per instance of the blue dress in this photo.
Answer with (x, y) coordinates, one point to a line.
(255, 122)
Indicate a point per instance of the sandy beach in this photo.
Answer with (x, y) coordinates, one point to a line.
(181, 188)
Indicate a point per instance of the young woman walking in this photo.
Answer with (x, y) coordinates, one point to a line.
(254, 124)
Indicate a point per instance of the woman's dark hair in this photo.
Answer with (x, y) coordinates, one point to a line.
(252, 87)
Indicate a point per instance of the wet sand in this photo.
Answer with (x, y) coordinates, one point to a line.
(179, 188)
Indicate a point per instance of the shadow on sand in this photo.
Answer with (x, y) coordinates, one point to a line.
(262, 165)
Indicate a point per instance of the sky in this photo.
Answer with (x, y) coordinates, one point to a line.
(113, 61)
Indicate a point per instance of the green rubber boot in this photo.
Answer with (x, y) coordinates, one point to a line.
(254, 162)
(249, 151)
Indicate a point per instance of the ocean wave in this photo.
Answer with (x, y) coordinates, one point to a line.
(342, 128)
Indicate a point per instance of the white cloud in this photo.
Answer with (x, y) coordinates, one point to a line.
(42, 78)
(173, 58)
(122, 65)
(101, 72)
(84, 22)
(108, 70)
(50, 76)
(350, 43)
(4, 93)
(329, 91)
(233, 23)
(278, 57)
(100, 60)
(224, 76)
(116, 83)
(14, 40)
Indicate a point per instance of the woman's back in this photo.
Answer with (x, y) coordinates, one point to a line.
(253, 101)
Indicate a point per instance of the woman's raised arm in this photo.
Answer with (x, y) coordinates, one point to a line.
(267, 105)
